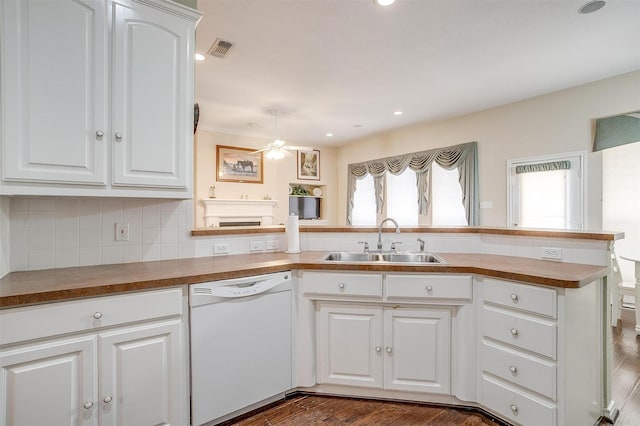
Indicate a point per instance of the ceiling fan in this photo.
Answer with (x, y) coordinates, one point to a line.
(278, 148)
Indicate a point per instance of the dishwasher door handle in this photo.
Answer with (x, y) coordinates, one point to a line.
(251, 289)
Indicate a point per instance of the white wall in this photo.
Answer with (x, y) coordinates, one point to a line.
(277, 176)
(554, 123)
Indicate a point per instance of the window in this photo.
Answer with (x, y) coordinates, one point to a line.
(446, 198)
(547, 192)
(401, 197)
(364, 202)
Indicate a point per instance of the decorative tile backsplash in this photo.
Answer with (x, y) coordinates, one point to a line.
(62, 232)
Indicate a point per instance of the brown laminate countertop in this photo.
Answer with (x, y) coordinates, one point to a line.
(23, 288)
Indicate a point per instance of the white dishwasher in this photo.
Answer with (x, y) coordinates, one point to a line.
(241, 350)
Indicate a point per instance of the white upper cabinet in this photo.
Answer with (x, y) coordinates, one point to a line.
(152, 97)
(97, 97)
(54, 91)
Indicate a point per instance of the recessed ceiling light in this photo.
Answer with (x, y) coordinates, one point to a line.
(329, 135)
(357, 125)
(199, 57)
(397, 112)
(592, 6)
(384, 2)
(252, 125)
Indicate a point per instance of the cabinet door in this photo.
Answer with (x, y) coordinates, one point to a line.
(152, 97)
(141, 375)
(50, 384)
(350, 345)
(416, 350)
(54, 91)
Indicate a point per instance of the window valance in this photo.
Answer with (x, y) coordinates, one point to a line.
(464, 157)
(544, 167)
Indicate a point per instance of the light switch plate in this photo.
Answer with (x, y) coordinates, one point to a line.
(221, 248)
(256, 246)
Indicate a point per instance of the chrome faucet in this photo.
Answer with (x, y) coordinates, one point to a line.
(421, 241)
(380, 230)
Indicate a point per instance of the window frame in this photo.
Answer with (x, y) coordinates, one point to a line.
(512, 181)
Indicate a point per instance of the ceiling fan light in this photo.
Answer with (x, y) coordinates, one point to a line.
(279, 143)
(275, 154)
(384, 2)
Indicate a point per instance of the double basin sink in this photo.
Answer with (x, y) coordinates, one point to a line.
(391, 257)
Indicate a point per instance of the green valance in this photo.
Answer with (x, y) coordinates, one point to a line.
(617, 130)
(544, 167)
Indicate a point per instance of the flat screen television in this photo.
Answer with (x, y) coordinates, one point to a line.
(305, 207)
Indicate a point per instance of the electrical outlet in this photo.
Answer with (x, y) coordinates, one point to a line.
(257, 246)
(551, 253)
(122, 232)
(273, 245)
(221, 248)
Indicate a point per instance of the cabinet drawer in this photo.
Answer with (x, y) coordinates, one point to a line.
(342, 284)
(516, 406)
(522, 297)
(536, 375)
(33, 322)
(527, 333)
(429, 287)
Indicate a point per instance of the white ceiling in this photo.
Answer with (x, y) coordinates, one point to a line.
(331, 64)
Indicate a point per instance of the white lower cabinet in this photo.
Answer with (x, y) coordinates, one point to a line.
(396, 349)
(122, 374)
(49, 383)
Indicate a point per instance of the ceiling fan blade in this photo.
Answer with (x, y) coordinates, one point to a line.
(298, 148)
(260, 150)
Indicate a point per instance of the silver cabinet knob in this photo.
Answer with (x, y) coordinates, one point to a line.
(118, 136)
(514, 297)
(341, 285)
(514, 408)
(87, 405)
(99, 133)
(378, 349)
(388, 349)
(514, 332)
(513, 369)
(429, 289)
(97, 315)
(107, 399)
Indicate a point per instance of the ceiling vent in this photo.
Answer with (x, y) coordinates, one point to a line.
(219, 48)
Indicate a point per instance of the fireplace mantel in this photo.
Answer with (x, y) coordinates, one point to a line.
(229, 212)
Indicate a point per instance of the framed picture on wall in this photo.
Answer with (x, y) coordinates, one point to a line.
(241, 165)
(309, 165)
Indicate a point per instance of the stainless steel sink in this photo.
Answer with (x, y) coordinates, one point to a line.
(411, 258)
(386, 257)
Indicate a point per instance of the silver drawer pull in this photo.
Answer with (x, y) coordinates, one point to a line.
(88, 405)
(514, 297)
(378, 349)
(514, 332)
(429, 289)
(513, 369)
(389, 349)
(118, 136)
(99, 133)
(514, 408)
(97, 315)
(341, 285)
(107, 399)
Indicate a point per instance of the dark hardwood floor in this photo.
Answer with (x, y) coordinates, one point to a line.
(625, 371)
(310, 410)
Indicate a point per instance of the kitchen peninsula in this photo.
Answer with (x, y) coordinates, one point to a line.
(490, 311)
